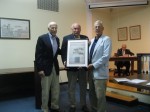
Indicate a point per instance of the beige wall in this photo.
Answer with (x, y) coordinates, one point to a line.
(125, 17)
(131, 16)
(103, 15)
(114, 18)
(20, 53)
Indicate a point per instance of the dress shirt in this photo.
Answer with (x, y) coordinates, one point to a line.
(54, 43)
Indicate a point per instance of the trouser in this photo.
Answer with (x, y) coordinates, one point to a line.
(120, 64)
(50, 83)
(72, 79)
(97, 94)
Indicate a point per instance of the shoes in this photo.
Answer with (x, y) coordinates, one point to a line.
(45, 110)
(85, 109)
(72, 109)
(119, 74)
(55, 110)
(127, 74)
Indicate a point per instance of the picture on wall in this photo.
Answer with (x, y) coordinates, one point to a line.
(135, 32)
(14, 28)
(122, 34)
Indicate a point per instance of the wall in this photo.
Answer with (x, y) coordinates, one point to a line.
(118, 17)
(131, 16)
(20, 53)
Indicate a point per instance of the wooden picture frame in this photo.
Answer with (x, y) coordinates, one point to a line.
(11, 28)
(122, 34)
(135, 32)
(77, 53)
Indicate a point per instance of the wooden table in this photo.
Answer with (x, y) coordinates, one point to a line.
(132, 59)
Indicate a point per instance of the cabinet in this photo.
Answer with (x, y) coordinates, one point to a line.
(16, 82)
(143, 63)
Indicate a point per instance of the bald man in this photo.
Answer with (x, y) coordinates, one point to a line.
(47, 50)
(75, 73)
(123, 52)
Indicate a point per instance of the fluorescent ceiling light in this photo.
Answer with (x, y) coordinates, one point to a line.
(118, 3)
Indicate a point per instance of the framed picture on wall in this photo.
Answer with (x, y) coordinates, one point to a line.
(14, 28)
(77, 53)
(135, 32)
(122, 34)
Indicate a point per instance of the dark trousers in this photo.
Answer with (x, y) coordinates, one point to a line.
(120, 64)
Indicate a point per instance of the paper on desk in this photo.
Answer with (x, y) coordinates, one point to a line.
(121, 79)
(148, 84)
(137, 81)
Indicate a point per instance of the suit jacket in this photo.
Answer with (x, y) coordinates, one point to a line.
(119, 53)
(100, 57)
(127, 51)
(44, 59)
(64, 48)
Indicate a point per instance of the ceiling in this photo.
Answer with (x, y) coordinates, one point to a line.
(115, 3)
(98, 1)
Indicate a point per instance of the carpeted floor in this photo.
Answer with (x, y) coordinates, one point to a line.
(27, 104)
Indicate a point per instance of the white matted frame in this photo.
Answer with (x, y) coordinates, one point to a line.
(77, 53)
(135, 32)
(122, 34)
(11, 28)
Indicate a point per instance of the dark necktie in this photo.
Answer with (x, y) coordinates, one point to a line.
(92, 48)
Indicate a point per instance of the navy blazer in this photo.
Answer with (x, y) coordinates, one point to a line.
(44, 59)
(65, 45)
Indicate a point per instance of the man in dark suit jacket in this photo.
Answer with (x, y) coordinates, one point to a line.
(75, 73)
(47, 50)
(125, 53)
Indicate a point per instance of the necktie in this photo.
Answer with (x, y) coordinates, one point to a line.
(92, 48)
(54, 45)
(123, 52)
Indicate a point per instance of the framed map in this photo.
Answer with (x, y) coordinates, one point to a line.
(77, 53)
(14, 28)
(135, 32)
(122, 34)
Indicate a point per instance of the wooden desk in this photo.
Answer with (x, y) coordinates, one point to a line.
(132, 59)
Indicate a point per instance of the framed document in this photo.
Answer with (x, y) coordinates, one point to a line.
(135, 32)
(77, 53)
(122, 34)
(11, 28)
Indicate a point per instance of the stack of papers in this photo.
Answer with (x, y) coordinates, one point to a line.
(148, 84)
(137, 81)
(121, 79)
(128, 80)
